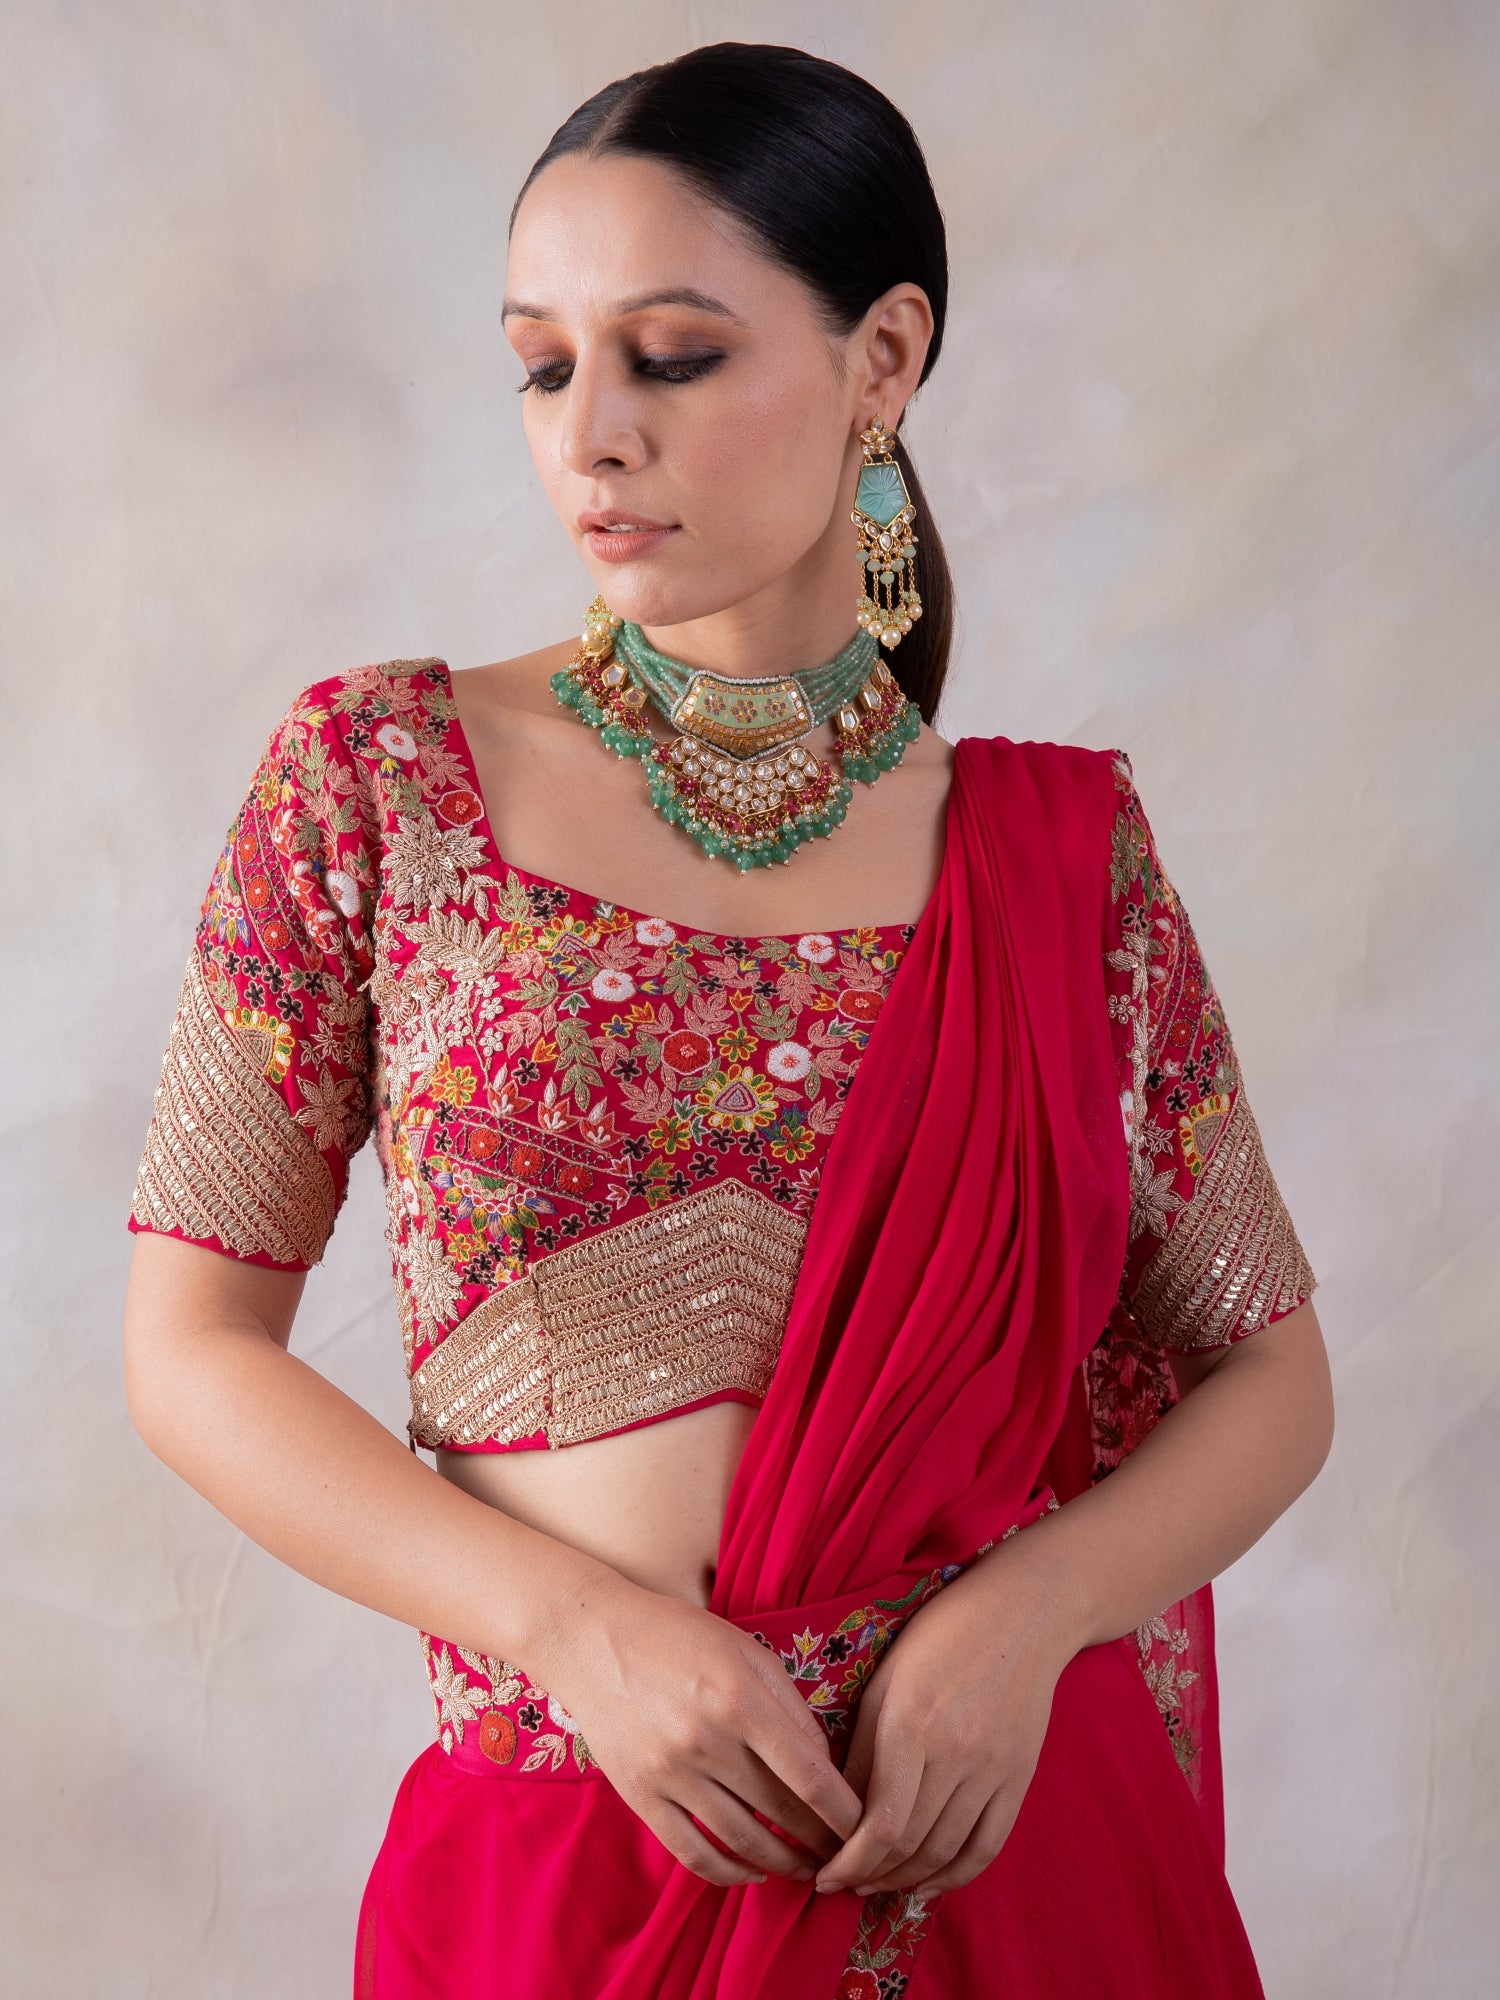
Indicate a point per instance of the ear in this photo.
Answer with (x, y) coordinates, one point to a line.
(890, 349)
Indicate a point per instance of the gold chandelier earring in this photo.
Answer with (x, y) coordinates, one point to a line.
(883, 516)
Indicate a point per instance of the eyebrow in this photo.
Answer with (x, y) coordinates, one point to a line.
(678, 295)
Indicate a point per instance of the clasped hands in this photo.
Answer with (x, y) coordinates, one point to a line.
(948, 1733)
(701, 1730)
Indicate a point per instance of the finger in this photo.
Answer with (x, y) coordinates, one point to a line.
(676, 1831)
(895, 1785)
(948, 1835)
(991, 1831)
(725, 1817)
(763, 1792)
(861, 1758)
(802, 1762)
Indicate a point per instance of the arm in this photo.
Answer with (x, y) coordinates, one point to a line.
(314, 1478)
(1251, 1432)
(694, 1722)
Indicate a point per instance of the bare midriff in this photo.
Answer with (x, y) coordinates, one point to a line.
(649, 1502)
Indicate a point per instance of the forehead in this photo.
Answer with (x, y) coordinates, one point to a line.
(594, 234)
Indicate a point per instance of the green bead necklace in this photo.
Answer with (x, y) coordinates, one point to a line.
(734, 775)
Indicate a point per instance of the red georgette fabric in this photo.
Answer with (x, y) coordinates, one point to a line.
(963, 1254)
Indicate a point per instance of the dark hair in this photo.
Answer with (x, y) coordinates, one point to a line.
(827, 175)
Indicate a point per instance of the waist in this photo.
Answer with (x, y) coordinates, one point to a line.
(493, 1720)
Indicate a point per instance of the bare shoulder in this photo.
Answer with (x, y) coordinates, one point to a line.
(519, 685)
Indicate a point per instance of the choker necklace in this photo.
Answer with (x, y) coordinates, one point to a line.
(734, 774)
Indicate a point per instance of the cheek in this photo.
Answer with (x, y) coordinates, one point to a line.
(764, 468)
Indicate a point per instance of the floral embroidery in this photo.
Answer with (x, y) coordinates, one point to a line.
(893, 1926)
(1212, 1254)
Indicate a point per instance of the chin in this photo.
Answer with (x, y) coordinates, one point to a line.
(634, 593)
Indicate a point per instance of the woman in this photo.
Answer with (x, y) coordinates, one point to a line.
(785, 1255)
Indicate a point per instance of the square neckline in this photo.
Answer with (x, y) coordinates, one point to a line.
(482, 823)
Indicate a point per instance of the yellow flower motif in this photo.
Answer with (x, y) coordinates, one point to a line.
(671, 1134)
(735, 1099)
(736, 1044)
(450, 1084)
(267, 1037)
(794, 1145)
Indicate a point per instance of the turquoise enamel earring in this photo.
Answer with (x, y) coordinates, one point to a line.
(883, 515)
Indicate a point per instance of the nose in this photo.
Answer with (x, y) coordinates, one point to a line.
(599, 431)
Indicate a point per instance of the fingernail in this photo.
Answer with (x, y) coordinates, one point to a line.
(864, 1889)
(827, 1888)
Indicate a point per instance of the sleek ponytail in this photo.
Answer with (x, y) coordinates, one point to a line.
(823, 170)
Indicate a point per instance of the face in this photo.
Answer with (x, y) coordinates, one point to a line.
(692, 417)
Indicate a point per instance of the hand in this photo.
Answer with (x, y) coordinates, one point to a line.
(948, 1733)
(689, 1716)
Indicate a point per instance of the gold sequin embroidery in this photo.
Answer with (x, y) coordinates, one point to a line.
(224, 1155)
(1233, 1258)
(626, 1325)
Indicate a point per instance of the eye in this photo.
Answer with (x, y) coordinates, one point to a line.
(677, 367)
(550, 376)
(546, 379)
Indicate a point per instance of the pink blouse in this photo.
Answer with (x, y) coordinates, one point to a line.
(601, 1132)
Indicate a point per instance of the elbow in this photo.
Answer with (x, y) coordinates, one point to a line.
(1324, 1427)
(146, 1402)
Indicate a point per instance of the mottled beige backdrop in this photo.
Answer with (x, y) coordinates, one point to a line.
(1214, 447)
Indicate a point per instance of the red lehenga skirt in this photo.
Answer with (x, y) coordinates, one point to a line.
(963, 1253)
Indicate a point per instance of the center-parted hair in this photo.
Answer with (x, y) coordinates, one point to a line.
(822, 170)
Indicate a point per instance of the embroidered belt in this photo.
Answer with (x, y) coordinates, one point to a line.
(495, 1721)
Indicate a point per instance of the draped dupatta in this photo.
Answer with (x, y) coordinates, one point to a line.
(963, 1255)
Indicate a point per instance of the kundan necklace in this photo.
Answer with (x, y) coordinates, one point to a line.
(734, 774)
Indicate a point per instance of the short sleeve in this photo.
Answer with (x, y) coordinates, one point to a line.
(1212, 1253)
(264, 1094)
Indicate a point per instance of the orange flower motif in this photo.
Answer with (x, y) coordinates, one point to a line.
(574, 1179)
(526, 1161)
(860, 1005)
(257, 892)
(497, 1736)
(460, 808)
(686, 1051)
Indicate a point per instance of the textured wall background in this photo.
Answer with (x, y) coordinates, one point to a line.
(1216, 449)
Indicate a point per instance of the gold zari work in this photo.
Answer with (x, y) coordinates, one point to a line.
(1233, 1258)
(625, 1325)
(224, 1155)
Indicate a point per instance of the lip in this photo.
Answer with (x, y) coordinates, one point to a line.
(616, 535)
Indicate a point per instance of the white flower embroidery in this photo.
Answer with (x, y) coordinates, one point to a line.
(654, 930)
(396, 742)
(344, 891)
(611, 985)
(789, 1062)
(815, 948)
(561, 1716)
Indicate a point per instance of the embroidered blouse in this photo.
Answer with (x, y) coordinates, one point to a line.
(601, 1132)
